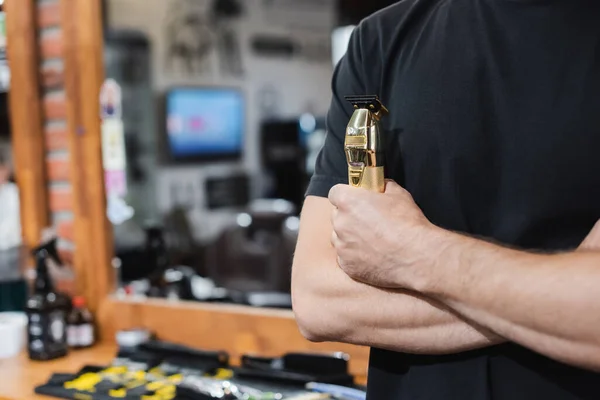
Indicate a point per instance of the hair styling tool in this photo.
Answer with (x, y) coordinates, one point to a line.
(364, 143)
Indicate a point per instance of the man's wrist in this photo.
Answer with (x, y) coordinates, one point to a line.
(460, 259)
(444, 260)
(422, 269)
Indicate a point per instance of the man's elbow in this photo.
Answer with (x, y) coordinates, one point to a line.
(309, 331)
(311, 316)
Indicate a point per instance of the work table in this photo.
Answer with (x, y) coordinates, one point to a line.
(20, 376)
(236, 329)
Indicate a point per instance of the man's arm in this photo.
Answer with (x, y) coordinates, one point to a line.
(330, 306)
(548, 303)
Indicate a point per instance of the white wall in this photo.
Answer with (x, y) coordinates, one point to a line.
(303, 86)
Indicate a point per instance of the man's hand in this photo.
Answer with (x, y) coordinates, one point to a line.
(384, 240)
(380, 238)
(331, 306)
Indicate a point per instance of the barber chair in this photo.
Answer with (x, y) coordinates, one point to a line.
(252, 259)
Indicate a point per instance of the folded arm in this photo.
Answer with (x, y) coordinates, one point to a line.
(330, 306)
(548, 303)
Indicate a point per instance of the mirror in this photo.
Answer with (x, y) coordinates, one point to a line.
(213, 115)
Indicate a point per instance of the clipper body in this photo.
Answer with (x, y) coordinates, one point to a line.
(364, 144)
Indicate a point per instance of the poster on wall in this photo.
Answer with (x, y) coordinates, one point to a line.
(4, 69)
(113, 146)
(114, 160)
(3, 34)
(195, 35)
(111, 100)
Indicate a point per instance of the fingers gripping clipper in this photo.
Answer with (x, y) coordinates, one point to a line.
(364, 143)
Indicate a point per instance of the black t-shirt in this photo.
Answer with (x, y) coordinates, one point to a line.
(494, 128)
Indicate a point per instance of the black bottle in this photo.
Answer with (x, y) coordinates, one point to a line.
(46, 311)
(80, 325)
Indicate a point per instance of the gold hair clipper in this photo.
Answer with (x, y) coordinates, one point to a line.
(364, 143)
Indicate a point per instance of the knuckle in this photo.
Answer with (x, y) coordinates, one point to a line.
(338, 196)
(342, 246)
(334, 194)
(336, 224)
(334, 239)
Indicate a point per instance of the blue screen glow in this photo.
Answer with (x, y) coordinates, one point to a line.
(205, 122)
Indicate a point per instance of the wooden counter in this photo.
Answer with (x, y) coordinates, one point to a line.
(19, 376)
(236, 329)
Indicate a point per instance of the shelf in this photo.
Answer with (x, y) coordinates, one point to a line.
(236, 329)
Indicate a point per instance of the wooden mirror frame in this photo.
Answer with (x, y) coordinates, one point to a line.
(55, 50)
(55, 56)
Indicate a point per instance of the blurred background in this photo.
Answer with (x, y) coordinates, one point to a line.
(213, 115)
(223, 109)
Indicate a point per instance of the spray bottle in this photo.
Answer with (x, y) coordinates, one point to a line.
(46, 309)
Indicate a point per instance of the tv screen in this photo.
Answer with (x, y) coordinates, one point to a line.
(205, 123)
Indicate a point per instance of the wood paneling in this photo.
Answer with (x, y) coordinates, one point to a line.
(235, 329)
(84, 74)
(26, 117)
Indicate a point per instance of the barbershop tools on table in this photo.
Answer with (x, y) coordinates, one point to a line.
(337, 391)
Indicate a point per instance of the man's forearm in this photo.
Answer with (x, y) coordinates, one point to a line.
(549, 303)
(332, 307)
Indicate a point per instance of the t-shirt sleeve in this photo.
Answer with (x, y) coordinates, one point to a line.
(331, 166)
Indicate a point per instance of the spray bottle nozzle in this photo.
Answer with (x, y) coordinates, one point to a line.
(48, 249)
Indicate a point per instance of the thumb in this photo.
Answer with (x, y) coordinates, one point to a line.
(592, 240)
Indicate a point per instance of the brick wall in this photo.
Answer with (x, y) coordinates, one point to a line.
(55, 131)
